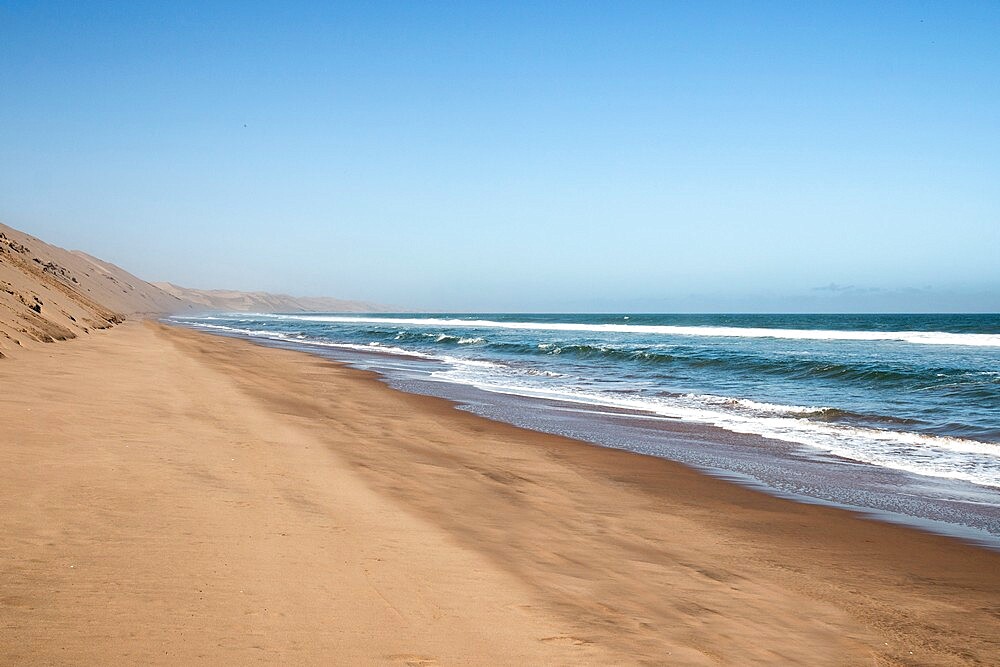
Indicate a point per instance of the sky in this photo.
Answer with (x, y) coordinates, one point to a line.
(477, 156)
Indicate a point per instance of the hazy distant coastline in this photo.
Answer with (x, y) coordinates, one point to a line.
(236, 301)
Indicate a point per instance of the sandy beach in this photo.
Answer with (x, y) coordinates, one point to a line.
(488, 334)
(173, 497)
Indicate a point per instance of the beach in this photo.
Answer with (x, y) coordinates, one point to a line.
(889, 414)
(418, 334)
(175, 497)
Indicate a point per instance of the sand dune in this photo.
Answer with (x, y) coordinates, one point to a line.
(265, 302)
(49, 294)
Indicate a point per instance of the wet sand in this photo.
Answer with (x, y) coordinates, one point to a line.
(172, 497)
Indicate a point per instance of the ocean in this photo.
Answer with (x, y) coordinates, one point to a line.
(914, 399)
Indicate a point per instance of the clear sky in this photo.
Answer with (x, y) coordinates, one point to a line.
(500, 156)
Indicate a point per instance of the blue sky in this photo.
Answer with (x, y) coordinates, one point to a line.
(502, 156)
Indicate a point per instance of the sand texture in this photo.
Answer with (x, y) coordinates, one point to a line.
(173, 497)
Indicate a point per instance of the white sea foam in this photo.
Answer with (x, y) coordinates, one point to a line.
(756, 406)
(370, 347)
(256, 333)
(916, 453)
(914, 337)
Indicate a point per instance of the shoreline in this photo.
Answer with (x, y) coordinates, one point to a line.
(776, 467)
(577, 553)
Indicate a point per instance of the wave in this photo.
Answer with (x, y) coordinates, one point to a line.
(300, 339)
(959, 383)
(451, 340)
(913, 337)
(849, 416)
(814, 413)
(916, 453)
(757, 406)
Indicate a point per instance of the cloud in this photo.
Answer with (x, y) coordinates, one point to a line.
(836, 288)
(833, 287)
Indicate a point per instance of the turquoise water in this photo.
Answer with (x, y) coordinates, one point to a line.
(913, 393)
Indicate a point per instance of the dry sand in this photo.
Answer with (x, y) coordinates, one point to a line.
(171, 497)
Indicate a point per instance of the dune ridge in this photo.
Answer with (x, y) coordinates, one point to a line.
(50, 294)
(245, 302)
